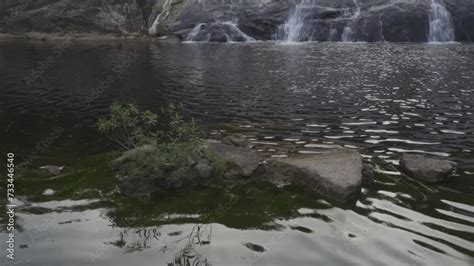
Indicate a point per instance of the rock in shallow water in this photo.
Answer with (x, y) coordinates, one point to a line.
(204, 169)
(52, 169)
(140, 172)
(132, 183)
(236, 140)
(336, 174)
(48, 192)
(425, 169)
(240, 161)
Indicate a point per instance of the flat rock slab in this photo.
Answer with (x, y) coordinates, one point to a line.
(335, 174)
(425, 169)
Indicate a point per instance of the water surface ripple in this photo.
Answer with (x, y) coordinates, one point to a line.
(383, 99)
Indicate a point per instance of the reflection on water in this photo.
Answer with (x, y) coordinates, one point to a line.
(199, 236)
(382, 99)
(183, 245)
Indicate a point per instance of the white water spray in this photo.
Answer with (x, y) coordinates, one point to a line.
(165, 12)
(194, 32)
(294, 27)
(205, 30)
(441, 23)
(348, 33)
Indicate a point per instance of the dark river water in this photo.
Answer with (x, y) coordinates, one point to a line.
(382, 99)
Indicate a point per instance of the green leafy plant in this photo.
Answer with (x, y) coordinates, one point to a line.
(130, 127)
(177, 145)
(176, 129)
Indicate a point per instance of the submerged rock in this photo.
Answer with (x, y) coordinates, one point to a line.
(425, 169)
(336, 174)
(48, 192)
(236, 140)
(52, 169)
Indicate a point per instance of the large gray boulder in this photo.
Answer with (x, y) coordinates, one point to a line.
(425, 169)
(335, 174)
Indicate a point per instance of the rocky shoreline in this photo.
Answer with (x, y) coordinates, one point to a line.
(207, 20)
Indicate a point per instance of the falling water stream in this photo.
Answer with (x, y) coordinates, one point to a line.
(299, 27)
(294, 28)
(441, 23)
(229, 30)
(348, 33)
(161, 16)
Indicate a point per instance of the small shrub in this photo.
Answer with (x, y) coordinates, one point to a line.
(176, 129)
(127, 126)
(130, 127)
(177, 144)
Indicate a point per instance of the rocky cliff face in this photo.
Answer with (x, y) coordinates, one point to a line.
(84, 16)
(317, 20)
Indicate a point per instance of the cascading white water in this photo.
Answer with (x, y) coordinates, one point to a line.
(441, 23)
(165, 11)
(294, 28)
(348, 33)
(194, 32)
(239, 32)
(203, 32)
(294, 25)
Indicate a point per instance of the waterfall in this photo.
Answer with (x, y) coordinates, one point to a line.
(192, 35)
(441, 23)
(294, 25)
(165, 11)
(218, 32)
(294, 28)
(348, 33)
(240, 34)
